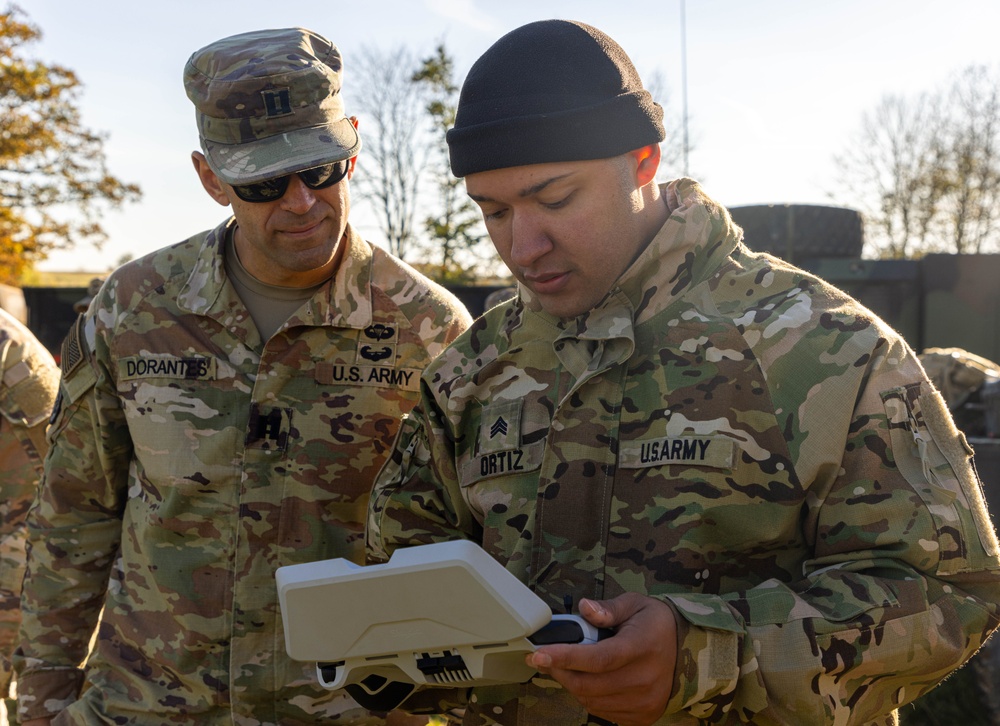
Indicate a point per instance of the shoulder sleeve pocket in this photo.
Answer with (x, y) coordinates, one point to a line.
(934, 457)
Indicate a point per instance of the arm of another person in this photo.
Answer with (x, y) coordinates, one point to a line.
(902, 588)
(408, 507)
(18, 484)
(74, 529)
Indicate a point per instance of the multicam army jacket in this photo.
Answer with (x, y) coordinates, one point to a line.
(29, 379)
(189, 460)
(734, 437)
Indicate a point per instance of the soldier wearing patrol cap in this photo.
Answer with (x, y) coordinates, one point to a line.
(93, 287)
(29, 380)
(226, 404)
(729, 462)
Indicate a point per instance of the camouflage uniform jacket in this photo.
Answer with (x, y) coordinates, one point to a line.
(29, 380)
(730, 435)
(190, 459)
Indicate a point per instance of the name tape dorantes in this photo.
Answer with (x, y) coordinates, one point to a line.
(160, 366)
(716, 452)
(405, 379)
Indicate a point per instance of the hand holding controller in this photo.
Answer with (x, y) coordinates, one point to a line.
(572, 629)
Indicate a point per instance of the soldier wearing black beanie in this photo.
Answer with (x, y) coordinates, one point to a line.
(553, 90)
(603, 433)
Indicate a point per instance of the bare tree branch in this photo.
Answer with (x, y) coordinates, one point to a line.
(925, 170)
(394, 128)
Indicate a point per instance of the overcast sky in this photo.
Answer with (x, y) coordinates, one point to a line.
(775, 88)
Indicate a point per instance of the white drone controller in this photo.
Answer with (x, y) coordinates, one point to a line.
(444, 614)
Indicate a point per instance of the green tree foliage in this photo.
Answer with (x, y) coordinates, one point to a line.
(458, 248)
(50, 164)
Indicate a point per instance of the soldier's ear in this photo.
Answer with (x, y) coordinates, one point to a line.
(354, 159)
(209, 180)
(647, 161)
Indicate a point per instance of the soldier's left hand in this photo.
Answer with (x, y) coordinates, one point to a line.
(626, 678)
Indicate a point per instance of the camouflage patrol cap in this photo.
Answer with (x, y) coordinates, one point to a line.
(268, 103)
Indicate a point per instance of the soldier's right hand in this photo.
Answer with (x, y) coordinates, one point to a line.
(626, 678)
(37, 722)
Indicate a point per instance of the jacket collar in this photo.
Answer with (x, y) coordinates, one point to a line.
(698, 236)
(345, 301)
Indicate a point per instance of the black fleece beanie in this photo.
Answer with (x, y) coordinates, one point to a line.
(553, 90)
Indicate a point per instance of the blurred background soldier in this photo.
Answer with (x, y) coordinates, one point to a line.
(29, 380)
(81, 305)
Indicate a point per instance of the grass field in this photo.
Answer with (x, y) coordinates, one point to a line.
(38, 278)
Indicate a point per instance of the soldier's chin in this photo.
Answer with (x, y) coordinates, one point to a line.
(562, 307)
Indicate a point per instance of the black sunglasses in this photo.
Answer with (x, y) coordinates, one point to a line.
(269, 190)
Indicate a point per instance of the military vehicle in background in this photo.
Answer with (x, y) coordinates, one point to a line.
(51, 312)
(12, 301)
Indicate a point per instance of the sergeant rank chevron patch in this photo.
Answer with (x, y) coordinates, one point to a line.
(499, 427)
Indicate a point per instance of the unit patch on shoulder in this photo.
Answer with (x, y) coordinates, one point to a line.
(73, 348)
(717, 452)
